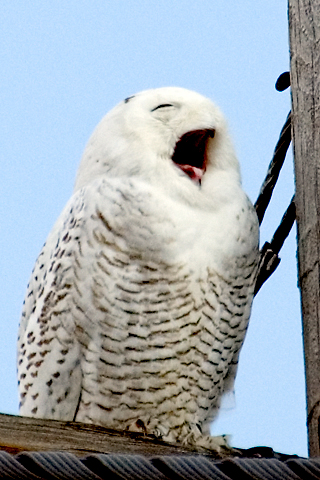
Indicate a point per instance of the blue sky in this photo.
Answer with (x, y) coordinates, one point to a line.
(64, 65)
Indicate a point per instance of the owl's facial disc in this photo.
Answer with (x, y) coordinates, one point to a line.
(190, 153)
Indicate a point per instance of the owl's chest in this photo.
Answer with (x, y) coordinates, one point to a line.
(137, 243)
(144, 299)
(145, 224)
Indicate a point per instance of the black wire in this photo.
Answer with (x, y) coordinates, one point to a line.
(269, 259)
(274, 169)
(284, 228)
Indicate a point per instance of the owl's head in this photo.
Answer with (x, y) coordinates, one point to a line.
(170, 137)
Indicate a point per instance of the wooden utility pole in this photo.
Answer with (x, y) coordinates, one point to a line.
(304, 32)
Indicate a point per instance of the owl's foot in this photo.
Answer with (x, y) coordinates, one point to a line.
(191, 437)
(218, 445)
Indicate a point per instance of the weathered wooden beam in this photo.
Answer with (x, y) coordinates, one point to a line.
(29, 434)
(19, 434)
(304, 30)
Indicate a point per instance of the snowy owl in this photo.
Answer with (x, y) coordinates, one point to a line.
(139, 301)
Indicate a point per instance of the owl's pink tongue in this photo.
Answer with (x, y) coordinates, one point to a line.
(194, 173)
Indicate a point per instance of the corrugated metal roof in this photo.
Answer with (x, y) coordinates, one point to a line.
(62, 465)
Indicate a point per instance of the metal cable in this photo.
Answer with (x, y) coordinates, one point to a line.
(190, 468)
(10, 467)
(135, 467)
(284, 228)
(305, 468)
(55, 465)
(274, 169)
(66, 466)
(268, 469)
(269, 259)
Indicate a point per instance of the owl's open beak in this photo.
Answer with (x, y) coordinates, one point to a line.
(190, 153)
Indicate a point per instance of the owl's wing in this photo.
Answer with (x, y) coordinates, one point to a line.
(49, 371)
